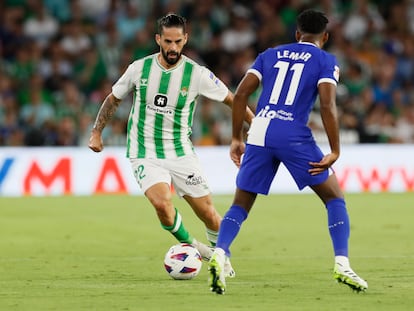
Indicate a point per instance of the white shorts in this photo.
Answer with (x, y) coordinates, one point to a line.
(184, 173)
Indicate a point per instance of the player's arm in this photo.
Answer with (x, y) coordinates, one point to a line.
(327, 98)
(245, 89)
(105, 113)
(229, 102)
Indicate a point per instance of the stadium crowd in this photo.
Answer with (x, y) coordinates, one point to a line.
(58, 58)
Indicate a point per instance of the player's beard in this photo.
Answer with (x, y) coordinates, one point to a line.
(170, 57)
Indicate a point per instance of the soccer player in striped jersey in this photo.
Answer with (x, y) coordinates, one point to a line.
(165, 86)
(292, 76)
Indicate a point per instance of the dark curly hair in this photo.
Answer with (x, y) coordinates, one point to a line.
(311, 21)
(172, 20)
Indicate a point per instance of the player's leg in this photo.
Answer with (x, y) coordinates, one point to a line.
(155, 182)
(338, 220)
(229, 229)
(326, 186)
(296, 160)
(191, 184)
(255, 176)
(339, 230)
(160, 197)
(204, 209)
(233, 219)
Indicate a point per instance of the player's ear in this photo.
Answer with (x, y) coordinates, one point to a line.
(297, 35)
(325, 37)
(158, 39)
(185, 38)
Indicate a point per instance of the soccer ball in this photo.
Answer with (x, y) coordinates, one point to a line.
(182, 261)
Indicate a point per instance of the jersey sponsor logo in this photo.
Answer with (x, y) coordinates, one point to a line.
(161, 110)
(272, 114)
(160, 100)
(160, 103)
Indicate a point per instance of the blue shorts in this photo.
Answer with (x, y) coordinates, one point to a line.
(260, 164)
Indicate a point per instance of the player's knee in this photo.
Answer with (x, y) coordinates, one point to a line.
(160, 202)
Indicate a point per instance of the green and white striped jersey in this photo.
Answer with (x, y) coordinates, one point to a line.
(161, 116)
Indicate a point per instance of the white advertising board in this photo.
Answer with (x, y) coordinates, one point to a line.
(79, 171)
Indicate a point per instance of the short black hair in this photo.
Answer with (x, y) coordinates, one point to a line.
(172, 20)
(311, 21)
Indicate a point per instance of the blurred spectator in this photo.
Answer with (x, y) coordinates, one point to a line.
(271, 29)
(405, 61)
(11, 133)
(36, 111)
(40, 26)
(37, 116)
(89, 70)
(384, 82)
(74, 40)
(363, 19)
(59, 58)
(58, 8)
(110, 49)
(288, 15)
(22, 67)
(117, 133)
(241, 33)
(143, 44)
(84, 129)
(404, 127)
(356, 77)
(55, 68)
(97, 97)
(202, 25)
(70, 101)
(66, 132)
(34, 85)
(11, 31)
(130, 21)
(93, 9)
(209, 129)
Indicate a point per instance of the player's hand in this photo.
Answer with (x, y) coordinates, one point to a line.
(95, 141)
(236, 151)
(324, 164)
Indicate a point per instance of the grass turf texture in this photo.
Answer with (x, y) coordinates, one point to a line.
(106, 253)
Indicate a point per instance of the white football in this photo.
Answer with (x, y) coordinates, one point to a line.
(182, 261)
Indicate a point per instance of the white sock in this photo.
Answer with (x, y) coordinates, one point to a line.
(220, 251)
(212, 236)
(342, 260)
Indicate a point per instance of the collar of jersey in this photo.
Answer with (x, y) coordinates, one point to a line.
(306, 42)
(178, 64)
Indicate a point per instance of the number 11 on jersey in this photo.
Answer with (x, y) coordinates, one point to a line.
(283, 68)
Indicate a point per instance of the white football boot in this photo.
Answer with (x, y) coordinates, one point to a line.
(217, 280)
(345, 275)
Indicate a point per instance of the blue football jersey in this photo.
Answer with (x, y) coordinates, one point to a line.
(290, 75)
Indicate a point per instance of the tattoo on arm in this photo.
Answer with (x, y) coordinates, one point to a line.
(107, 110)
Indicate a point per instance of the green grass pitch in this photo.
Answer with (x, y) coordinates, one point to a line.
(106, 253)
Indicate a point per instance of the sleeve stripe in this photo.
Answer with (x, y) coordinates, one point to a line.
(256, 73)
(328, 80)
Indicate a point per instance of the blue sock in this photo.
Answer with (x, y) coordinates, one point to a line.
(230, 227)
(338, 224)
